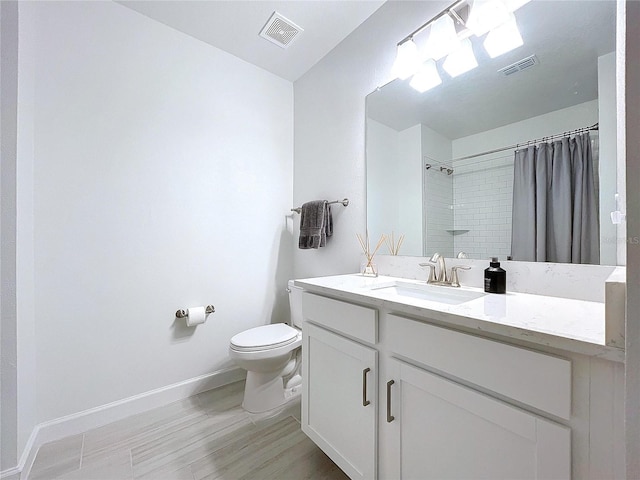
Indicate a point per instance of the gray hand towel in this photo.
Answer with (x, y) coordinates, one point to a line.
(316, 224)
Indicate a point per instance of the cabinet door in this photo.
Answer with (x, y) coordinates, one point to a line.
(339, 399)
(443, 430)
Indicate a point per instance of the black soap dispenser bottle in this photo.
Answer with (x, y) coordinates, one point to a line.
(495, 278)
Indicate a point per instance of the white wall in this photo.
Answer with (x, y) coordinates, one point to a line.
(330, 128)
(409, 190)
(628, 68)
(622, 45)
(25, 278)
(396, 187)
(578, 116)
(8, 324)
(382, 148)
(162, 174)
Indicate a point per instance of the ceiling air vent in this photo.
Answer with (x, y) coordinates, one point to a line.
(519, 65)
(280, 30)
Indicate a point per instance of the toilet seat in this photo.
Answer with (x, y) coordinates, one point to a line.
(265, 337)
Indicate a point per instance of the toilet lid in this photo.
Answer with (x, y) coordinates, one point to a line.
(272, 336)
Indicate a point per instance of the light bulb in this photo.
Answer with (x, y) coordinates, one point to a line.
(407, 60)
(503, 39)
(486, 15)
(443, 38)
(461, 60)
(426, 77)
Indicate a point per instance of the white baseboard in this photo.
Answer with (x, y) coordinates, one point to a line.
(96, 417)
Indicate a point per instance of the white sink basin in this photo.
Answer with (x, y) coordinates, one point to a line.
(431, 293)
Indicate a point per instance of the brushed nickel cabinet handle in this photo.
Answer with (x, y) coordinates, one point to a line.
(365, 402)
(390, 418)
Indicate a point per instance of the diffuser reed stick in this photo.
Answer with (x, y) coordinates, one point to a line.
(369, 268)
(392, 245)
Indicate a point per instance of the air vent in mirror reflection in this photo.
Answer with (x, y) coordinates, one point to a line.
(520, 65)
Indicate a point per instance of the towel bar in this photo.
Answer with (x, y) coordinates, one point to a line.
(344, 201)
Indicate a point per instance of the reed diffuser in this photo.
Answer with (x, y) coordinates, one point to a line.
(369, 269)
(392, 245)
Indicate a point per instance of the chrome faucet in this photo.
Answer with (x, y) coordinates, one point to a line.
(441, 275)
(432, 272)
(454, 274)
(438, 271)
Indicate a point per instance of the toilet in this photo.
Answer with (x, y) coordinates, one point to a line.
(271, 355)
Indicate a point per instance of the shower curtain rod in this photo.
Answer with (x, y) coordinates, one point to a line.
(595, 126)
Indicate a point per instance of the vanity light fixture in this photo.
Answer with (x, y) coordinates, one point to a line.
(460, 60)
(407, 60)
(485, 15)
(503, 39)
(492, 16)
(427, 77)
(443, 38)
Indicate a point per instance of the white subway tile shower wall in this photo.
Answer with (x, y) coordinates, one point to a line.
(482, 193)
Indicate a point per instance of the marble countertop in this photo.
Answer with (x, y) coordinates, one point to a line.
(567, 324)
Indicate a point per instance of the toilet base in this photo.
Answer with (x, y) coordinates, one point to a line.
(291, 408)
(266, 391)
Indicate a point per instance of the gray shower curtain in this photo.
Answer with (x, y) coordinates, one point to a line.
(555, 209)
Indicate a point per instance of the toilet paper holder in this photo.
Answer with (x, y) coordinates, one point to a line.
(182, 313)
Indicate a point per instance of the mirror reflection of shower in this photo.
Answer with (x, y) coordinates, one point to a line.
(442, 169)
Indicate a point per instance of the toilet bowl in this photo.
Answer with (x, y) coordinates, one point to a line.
(271, 355)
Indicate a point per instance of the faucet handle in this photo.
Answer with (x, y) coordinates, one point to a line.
(454, 274)
(432, 271)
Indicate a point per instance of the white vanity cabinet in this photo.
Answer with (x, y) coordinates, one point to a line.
(441, 429)
(339, 404)
(444, 403)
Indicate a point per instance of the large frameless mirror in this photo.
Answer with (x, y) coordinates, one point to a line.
(443, 164)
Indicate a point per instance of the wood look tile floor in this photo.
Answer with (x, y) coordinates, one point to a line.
(207, 436)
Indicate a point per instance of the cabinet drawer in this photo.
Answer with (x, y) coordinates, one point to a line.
(353, 320)
(535, 379)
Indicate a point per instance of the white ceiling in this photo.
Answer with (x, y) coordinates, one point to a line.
(567, 36)
(234, 26)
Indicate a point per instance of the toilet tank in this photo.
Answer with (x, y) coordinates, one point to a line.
(295, 304)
